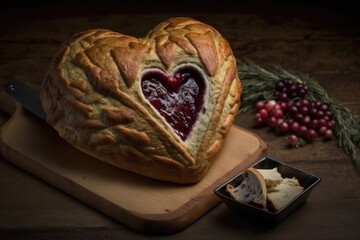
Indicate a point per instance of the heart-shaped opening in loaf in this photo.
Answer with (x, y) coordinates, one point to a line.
(178, 97)
(159, 106)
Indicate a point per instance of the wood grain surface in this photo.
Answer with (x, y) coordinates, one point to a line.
(138, 202)
(321, 40)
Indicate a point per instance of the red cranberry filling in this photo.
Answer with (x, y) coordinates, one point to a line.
(178, 98)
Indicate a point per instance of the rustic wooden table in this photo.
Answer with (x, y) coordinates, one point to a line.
(322, 41)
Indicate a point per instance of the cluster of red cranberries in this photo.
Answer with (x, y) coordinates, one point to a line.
(293, 114)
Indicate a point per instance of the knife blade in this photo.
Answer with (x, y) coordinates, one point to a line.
(26, 96)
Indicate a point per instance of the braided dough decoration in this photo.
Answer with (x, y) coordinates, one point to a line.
(93, 95)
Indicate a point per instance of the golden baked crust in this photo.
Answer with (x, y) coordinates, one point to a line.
(93, 98)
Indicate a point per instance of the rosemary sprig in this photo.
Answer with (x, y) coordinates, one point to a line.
(259, 84)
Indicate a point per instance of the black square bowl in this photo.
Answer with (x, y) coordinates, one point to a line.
(307, 180)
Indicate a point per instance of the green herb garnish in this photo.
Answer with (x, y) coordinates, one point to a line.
(259, 84)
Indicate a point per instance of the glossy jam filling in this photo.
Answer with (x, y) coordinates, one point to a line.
(178, 98)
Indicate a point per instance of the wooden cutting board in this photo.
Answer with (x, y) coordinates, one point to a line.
(138, 202)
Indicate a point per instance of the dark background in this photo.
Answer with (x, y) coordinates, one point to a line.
(86, 7)
(342, 15)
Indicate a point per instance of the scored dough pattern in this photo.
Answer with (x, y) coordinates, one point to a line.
(91, 99)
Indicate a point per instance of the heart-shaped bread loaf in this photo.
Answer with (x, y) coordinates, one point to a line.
(159, 106)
